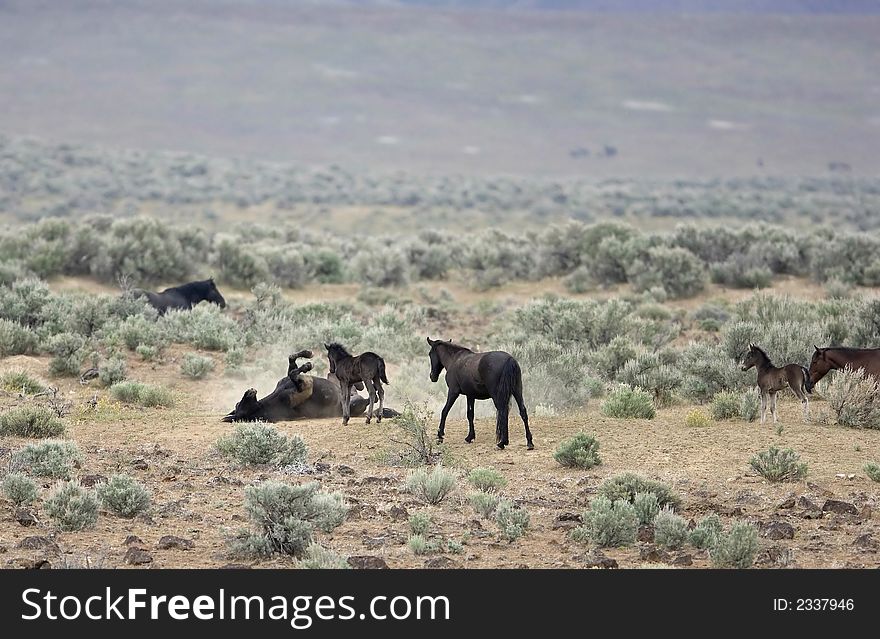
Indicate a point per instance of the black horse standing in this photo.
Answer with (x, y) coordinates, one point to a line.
(183, 297)
(494, 375)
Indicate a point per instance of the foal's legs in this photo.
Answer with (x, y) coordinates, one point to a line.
(763, 405)
(450, 400)
(372, 393)
(517, 395)
(381, 393)
(346, 401)
(773, 404)
(472, 434)
(801, 395)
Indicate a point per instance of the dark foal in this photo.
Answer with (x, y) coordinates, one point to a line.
(494, 375)
(772, 379)
(367, 367)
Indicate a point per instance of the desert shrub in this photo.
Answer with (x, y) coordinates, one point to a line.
(252, 444)
(678, 271)
(147, 353)
(316, 557)
(697, 419)
(749, 406)
(138, 330)
(649, 372)
(854, 398)
(72, 507)
(838, 290)
(726, 405)
(33, 421)
(50, 458)
(484, 504)
(872, 470)
(512, 520)
(286, 516)
(778, 465)
(124, 496)
(784, 341)
(646, 506)
(626, 485)
(579, 281)
(610, 358)
(16, 339)
(737, 548)
(68, 353)
(379, 264)
(112, 371)
(711, 317)
(23, 301)
(670, 530)
(21, 382)
(706, 371)
(412, 426)
(581, 451)
(204, 327)
(705, 534)
(132, 392)
(625, 402)
(431, 486)
(420, 545)
(555, 376)
(196, 366)
(607, 523)
(739, 273)
(486, 479)
(419, 523)
(19, 489)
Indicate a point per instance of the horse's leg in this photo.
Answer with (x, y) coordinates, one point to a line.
(472, 434)
(798, 389)
(517, 395)
(502, 410)
(450, 400)
(381, 393)
(773, 405)
(372, 393)
(345, 389)
(763, 405)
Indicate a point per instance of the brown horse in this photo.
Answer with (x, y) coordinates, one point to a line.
(772, 379)
(832, 359)
(350, 370)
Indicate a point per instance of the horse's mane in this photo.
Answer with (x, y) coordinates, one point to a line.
(189, 286)
(848, 349)
(762, 353)
(455, 347)
(336, 346)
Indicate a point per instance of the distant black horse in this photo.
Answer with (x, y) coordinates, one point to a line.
(182, 297)
(495, 375)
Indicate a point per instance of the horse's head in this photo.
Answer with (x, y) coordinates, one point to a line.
(819, 365)
(245, 408)
(213, 295)
(434, 355)
(752, 358)
(331, 356)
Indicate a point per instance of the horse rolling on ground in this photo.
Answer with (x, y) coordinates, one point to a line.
(183, 297)
(367, 367)
(772, 379)
(494, 375)
(832, 359)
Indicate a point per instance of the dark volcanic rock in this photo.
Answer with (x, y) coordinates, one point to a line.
(140, 464)
(25, 517)
(839, 507)
(778, 530)
(399, 513)
(598, 560)
(653, 554)
(684, 559)
(132, 539)
(866, 542)
(177, 543)
(90, 481)
(442, 562)
(137, 556)
(38, 542)
(342, 469)
(646, 533)
(567, 521)
(367, 562)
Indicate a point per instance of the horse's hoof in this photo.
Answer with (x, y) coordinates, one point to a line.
(468, 440)
(439, 439)
(368, 420)
(531, 446)
(379, 419)
(500, 446)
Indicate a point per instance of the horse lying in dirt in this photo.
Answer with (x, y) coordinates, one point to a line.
(299, 396)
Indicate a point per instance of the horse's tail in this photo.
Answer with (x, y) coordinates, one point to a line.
(808, 384)
(382, 374)
(509, 381)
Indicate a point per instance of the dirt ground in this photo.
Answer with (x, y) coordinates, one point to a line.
(198, 496)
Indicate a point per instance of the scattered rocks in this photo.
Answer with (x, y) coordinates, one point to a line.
(787, 503)
(653, 554)
(866, 542)
(25, 517)
(90, 481)
(646, 533)
(139, 464)
(137, 556)
(818, 490)
(839, 507)
(168, 542)
(567, 521)
(132, 539)
(775, 556)
(810, 510)
(777, 530)
(442, 562)
(374, 542)
(845, 475)
(342, 469)
(221, 480)
(235, 567)
(399, 513)
(598, 560)
(367, 562)
(24, 563)
(322, 467)
(684, 559)
(38, 542)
